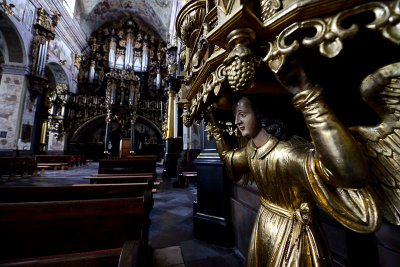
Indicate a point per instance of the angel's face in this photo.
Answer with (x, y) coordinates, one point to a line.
(245, 118)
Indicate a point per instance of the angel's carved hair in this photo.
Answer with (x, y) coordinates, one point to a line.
(270, 122)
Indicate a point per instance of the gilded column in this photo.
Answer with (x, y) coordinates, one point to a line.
(173, 145)
(171, 115)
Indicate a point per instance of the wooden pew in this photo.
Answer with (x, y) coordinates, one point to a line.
(57, 193)
(53, 166)
(70, 160)
(73, 225)
(115, 178)
(133, 164)
(21, 166)
(153, 190)
(122, 174)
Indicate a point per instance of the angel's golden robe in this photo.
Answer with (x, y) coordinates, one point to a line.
(293, 176)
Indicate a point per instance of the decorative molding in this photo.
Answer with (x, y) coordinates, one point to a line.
(329, 34)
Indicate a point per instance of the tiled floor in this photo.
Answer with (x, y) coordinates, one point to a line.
(171, 230)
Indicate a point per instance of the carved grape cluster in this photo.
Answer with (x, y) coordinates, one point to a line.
(240, 73)
(187, 120)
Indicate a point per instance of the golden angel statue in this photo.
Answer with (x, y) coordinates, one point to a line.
(352, 174)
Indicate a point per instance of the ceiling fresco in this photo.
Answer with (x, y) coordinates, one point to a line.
(155, 13)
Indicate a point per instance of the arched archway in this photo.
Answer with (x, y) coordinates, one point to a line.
(55, 75)
(89, 138)
(13, 88)
(11, 42)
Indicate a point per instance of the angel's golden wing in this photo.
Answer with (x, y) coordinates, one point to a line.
(381, 143)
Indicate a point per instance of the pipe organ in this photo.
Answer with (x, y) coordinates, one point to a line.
(44, 34)
(128, 67)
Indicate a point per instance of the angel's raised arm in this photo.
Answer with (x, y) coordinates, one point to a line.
(337, 154)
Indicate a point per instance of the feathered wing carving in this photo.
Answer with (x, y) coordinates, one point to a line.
(381, 143)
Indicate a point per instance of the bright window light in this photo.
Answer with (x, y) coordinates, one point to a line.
(70, 6)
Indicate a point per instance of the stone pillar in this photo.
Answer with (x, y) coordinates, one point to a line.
(12, 103)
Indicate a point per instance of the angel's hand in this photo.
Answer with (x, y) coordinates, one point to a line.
(210, 117)
(294, 78)
(213, 128)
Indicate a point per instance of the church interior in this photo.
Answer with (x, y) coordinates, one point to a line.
(122, 144)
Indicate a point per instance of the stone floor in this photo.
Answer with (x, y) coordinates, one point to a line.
(171, 230)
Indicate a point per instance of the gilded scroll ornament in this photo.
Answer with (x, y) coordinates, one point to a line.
(269, 8)
(329, 33)
(190, 23)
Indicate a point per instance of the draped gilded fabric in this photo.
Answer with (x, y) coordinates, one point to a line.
(292, 178)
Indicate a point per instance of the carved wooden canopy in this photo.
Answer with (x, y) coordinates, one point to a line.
(238, 45)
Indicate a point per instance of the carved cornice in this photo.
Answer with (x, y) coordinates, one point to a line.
(329, 34)
(189, 21)
(295, 11)
(230, 66)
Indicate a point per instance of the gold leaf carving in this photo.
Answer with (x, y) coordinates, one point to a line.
(269, 8)
(329, 34)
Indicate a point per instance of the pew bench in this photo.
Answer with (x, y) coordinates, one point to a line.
(71, 160)
(122, 174)
(54, 166)
(153, 190)
(133, 164)
(119, 179)
(74, 226)
(12, 166)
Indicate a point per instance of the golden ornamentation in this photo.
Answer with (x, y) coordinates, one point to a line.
(381, 143)
(45, 21)
(108, 100)
(170, 120)
(269, 8)
(225, 36)
(329, 33)
(58, 99)
(165, 124)
(240, 62)
(285, 233)
(209, 90)
(187, 120)
(189, 21)
(199, 55)
(77, 62)
(8, 8)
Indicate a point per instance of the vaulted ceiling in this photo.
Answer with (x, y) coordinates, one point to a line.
(154, 14)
